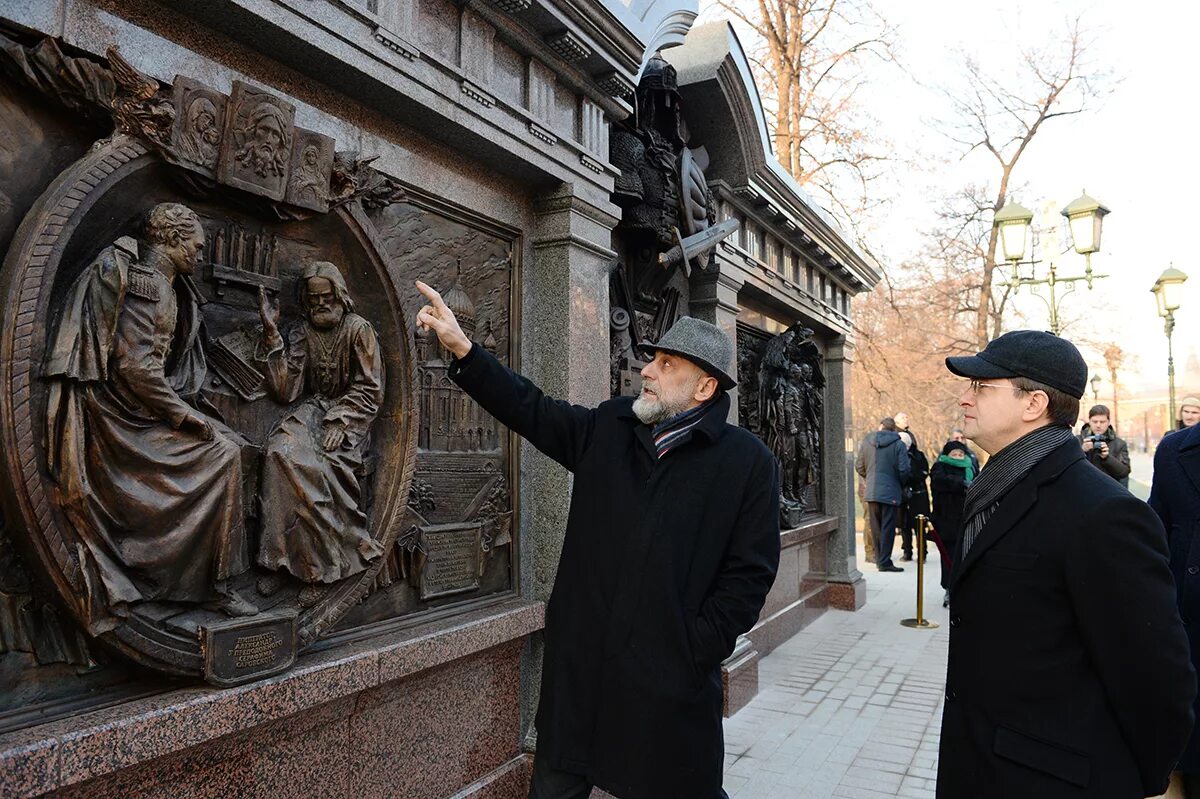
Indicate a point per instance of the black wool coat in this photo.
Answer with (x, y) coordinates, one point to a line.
(665, 562)
(1175, 497)
(1068, 673)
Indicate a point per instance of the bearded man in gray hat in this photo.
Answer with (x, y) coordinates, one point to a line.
(671, 547)
(1068, 672)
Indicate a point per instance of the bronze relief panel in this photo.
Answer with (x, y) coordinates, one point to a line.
(210, 396)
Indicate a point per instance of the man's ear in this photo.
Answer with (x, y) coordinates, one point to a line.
(705, 389)
(1037, 403)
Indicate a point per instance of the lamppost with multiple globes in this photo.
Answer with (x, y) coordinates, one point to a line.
(1085, 217)
(1168, 292)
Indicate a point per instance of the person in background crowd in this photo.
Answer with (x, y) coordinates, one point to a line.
(957, 435)
(949, 479)
(882, 461)
(1068, 672)
(1103, 448)
(901, 419)
(868, 539)
(1175, 497)
(916, 495)
(1189, 412)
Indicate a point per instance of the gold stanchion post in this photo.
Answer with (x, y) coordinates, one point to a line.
(920, 621)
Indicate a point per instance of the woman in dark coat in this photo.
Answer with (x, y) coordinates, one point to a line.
(949, 479)
(1175, 497)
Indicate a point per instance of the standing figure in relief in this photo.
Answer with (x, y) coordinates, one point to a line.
(151, 486)
(313, 522)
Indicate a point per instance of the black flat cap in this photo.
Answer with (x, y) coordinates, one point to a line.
(1035, 354)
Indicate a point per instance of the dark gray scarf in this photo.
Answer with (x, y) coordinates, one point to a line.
(1002, 472)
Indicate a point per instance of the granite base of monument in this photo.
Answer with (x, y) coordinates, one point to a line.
(419, 713)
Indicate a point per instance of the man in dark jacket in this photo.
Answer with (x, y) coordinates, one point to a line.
(882, 462)
(1103, 448)
(671, 546)
(1175, 497)
(1068, 671)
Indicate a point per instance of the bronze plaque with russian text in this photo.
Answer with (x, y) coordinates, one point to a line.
(452, 553)
(237, 651)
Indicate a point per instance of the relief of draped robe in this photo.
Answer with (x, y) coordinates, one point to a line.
(313, 522)
(158, 510)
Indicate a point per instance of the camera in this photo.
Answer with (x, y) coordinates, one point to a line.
(1096, 440)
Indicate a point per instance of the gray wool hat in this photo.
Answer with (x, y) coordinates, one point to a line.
(702, 343)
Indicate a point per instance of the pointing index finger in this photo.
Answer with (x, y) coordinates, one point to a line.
(431, 294)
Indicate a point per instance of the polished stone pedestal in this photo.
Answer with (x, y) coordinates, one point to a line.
(429, 712)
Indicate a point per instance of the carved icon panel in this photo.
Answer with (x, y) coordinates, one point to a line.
(199, 120)
(256, 151)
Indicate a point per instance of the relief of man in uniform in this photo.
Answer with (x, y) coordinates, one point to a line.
(266, 140)
(314, 525)
(151, 486)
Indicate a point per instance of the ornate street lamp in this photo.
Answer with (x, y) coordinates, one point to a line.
(1096, 388)
(1085, 217)
(1168, 293)
(1013, 222)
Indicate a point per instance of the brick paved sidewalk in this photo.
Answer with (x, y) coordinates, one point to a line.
(851, 706)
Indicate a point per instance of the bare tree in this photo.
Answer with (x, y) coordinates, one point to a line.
(1001, 117)
(810, 58)
(902, 337)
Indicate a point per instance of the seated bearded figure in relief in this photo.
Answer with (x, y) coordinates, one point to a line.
(314, 525)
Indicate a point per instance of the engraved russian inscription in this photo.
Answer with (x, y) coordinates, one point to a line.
(452, 553)
(237, 651)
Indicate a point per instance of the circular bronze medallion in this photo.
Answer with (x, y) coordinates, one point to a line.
(210, 468)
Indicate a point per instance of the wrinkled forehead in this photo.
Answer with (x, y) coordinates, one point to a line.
(320, 285)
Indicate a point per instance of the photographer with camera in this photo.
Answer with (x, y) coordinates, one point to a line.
(1103, 448)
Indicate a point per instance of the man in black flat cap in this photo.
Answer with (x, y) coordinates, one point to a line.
(671, 546)
(1068, 673)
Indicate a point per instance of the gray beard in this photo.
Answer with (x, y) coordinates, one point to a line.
(654, 412)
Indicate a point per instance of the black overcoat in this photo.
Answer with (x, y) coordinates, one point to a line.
(1175, 496)
(1068, 672)
(665, 562)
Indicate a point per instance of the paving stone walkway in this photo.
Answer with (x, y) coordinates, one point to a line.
(851, 706)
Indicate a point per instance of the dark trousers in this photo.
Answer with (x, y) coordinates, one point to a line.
(907, 522)
(550, 783)
(883, 530)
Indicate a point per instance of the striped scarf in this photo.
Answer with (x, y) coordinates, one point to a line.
(1002, 472)
(678, 429)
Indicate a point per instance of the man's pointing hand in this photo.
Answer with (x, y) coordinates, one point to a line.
(436, 316)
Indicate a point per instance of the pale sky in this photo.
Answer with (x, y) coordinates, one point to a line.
(1137, 152)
